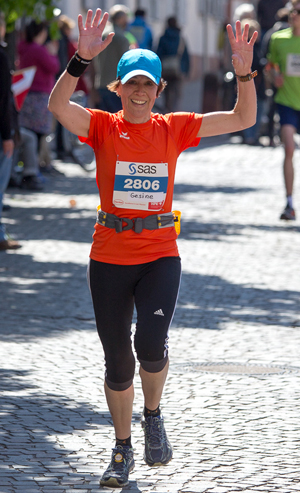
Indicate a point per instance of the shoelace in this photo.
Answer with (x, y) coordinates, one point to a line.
(155, 431)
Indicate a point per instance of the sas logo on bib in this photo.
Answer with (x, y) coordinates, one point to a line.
(142, 168)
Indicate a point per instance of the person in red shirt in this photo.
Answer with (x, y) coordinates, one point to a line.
(134, 258)
(35, 51)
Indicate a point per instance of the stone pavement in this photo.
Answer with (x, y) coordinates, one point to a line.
(231, 402)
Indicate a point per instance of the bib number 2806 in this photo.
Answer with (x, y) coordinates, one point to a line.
(138, 184)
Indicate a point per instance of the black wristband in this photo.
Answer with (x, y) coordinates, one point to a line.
(77, 65)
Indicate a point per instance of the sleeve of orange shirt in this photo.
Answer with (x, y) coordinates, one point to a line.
(184, 128)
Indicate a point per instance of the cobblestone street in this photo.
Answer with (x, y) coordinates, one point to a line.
(231, 402)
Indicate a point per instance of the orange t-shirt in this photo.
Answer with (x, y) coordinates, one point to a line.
(160, 140)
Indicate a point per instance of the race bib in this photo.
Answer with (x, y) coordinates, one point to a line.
(140, 185)
(293, 65)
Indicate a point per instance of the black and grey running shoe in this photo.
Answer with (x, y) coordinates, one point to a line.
(288, 214)
(121, 464)
(158, 450)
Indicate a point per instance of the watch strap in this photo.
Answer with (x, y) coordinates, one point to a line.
(246, 78)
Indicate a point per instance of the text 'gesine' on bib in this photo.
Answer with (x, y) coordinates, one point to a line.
(140, 185)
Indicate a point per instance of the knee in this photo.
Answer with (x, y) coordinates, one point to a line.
(289, 151)
(152, 357)
(119, 372)
(154, 366)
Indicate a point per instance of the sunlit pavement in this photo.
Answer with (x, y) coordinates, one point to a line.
(231, 402)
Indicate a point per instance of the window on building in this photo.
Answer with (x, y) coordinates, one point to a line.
(94, 4)
(153, 9)
(215, 8)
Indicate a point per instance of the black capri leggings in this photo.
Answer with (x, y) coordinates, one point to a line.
(153, 288)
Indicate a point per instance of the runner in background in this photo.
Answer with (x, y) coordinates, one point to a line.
(284, 57)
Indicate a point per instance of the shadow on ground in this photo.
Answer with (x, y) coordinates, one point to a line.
(218, 231)
(208, 302)
(42, 298)
(39, 303)
(30, 439)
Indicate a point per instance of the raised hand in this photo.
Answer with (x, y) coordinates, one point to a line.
(90, 42)
(242, 49)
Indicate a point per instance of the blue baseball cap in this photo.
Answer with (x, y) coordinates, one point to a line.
(139, 62)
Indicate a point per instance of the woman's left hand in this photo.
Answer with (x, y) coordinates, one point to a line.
(242, 49)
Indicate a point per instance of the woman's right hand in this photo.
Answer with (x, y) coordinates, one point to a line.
(90, 42)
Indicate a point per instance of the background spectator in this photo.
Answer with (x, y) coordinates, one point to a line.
(244, 11)
(26, 154)
(106, 63)
(141, 31)
(266, 13)
(6, 135)
(251, 135)
(66, 49)
(34, 50)
(172, 50)
(282, 22)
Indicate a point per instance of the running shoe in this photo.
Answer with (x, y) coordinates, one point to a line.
(288, 214)
(158, 450)
(121, 464)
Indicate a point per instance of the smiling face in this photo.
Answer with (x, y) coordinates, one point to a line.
(138, 96)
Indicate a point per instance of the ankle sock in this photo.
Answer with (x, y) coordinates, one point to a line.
(290, 201)
(148, 412)
(125, 443)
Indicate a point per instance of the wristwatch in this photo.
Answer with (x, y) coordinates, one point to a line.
(246, 78)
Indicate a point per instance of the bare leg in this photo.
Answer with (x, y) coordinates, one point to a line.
(120, 406)
(122, 462)
(152, 385)
(120, 403)
(287, 137)
(158, 450)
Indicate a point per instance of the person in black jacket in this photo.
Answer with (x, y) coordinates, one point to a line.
(266, 13)
(6, 141)
(251, 135)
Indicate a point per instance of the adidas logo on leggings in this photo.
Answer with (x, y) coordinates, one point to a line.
(159, 312)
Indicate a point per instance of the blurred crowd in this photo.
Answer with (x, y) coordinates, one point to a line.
(268, 17)
(30, 140)
(277, 61)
